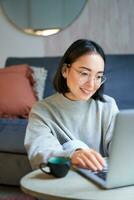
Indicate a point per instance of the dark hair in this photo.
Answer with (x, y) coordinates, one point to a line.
(77, 49)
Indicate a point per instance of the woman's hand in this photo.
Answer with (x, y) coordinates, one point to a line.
(88, 158)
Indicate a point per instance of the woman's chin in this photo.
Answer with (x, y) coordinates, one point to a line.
(85, 95)
(85, 98)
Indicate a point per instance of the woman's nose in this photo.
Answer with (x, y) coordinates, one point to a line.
(91, 82)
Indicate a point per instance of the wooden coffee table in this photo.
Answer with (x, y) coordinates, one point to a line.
(73, 186)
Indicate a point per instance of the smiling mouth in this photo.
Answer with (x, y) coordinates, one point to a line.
(86, 91)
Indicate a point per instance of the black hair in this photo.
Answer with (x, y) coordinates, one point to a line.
(77, 49)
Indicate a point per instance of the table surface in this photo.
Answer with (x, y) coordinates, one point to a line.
(72, 186)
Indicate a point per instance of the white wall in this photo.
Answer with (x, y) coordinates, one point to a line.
(108, 22)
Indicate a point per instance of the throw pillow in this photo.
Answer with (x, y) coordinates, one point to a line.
(39, 76)
(22, 68)
(16, 94)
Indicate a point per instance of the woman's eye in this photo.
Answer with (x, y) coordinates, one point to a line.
(99, 77)
(84, 73)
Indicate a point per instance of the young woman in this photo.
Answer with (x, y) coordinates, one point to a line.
(77, 121)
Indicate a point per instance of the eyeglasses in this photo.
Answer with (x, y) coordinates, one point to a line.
(85, 76)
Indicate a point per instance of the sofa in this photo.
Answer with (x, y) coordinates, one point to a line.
(13, 158)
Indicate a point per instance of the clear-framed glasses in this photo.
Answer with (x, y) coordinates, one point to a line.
(85, 76)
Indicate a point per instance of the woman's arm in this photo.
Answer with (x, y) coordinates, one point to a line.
(40, 143)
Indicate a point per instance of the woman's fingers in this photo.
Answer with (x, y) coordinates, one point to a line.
(88, 159)
(89, 162)
(81, 163)
(77, 160)
(95, 158)
(99, 158)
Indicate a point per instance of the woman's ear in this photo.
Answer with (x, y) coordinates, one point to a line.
(64, 71)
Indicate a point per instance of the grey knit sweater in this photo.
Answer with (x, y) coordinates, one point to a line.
(58, 126)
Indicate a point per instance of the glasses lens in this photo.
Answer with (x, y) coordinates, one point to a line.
(103, 79)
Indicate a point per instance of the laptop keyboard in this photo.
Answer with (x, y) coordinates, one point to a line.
(102, 174)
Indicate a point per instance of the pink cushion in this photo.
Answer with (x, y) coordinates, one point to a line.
(23, 68)
(16, 92)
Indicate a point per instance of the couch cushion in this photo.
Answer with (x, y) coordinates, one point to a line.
(39, 75)
(50, 64)
(12, 133)
(16, 92)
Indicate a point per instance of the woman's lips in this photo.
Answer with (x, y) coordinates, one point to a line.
(86, 91)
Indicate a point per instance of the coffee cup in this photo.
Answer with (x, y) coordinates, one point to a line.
(58, 166)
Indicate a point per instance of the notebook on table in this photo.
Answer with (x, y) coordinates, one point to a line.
(120, 164)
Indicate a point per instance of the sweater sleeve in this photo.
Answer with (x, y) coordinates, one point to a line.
(75, 144)
(39, 141)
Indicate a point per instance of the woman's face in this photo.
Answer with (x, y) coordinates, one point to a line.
(84, 76)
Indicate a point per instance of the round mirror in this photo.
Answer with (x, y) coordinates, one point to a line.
(42, 17)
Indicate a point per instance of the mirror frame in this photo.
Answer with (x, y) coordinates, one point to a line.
(37, 32)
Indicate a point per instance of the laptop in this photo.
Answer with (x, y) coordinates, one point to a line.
(120, 164)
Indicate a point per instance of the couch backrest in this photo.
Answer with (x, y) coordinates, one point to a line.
(120, 80)
(119, 72)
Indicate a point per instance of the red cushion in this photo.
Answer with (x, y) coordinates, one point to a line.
(23, 68)
(16, 92)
